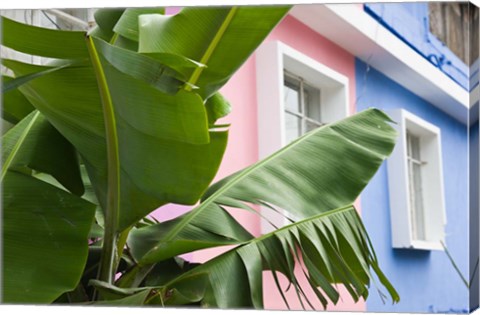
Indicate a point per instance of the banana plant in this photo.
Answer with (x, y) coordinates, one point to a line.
(122, 120)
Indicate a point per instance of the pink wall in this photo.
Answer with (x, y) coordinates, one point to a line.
(242, 149)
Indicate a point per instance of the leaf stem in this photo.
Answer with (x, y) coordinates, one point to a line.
(114, 38)
(108, 257)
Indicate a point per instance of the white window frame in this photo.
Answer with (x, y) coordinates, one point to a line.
(432, 184)
(272, 58)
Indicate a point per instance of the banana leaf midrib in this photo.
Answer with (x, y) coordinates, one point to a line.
(18, 145)
(211, 48)
(191, 215)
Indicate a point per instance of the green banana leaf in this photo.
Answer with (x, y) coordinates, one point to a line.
(12, 84)
(323, 170)
(220, 38)
(45, 239)
(33, 144)
(217, 107)
(186, 169)
(186, 290)
(14, 106)
(45, 228)
(137, 299)
(107, 18)
(42, 41)
(128, 26)
(129, 121)
(333, 245)
(105, 22)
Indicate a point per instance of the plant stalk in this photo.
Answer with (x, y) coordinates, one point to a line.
(108, 258)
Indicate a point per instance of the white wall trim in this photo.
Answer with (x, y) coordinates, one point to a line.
(474, 101)
(474, 95)
(348, 26)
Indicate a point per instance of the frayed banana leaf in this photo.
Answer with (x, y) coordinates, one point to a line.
(332, 248)
(315, 255)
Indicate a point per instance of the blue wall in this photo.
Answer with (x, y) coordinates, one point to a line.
(410, 22)
(474, 212)
(425, 280)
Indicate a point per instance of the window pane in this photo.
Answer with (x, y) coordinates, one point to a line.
(417, 213)
(415, 147)
(310, 125)
(291, 95)
(293, 127)
(312, 102)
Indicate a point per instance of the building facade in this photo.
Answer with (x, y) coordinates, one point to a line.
(326, 62)
(423, 199)
(429, 176)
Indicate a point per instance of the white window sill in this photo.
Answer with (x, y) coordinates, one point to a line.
(426, 245)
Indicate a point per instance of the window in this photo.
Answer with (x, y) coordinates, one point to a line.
(456, 25)
(295, 94)
(416, 184)
(302, 106)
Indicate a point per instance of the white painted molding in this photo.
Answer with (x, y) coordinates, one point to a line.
(474, 104)
(474, 95)
(348, 26)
